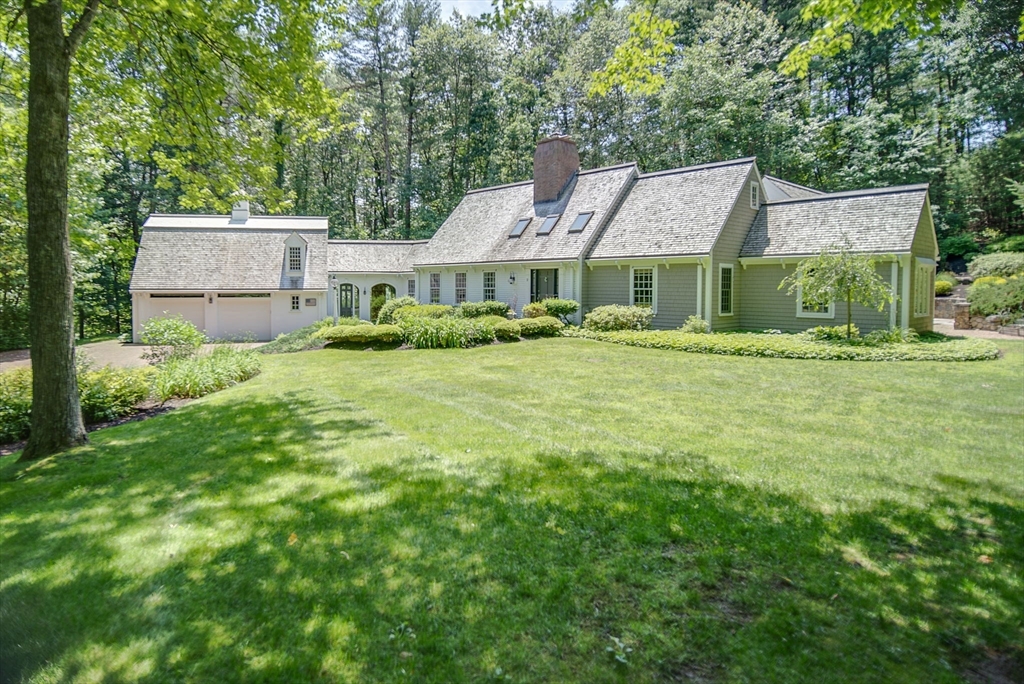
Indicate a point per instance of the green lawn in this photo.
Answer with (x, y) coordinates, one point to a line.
(512, 512)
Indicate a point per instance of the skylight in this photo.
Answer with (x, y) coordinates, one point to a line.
(519, 228)
(548, 224)
(581, 222)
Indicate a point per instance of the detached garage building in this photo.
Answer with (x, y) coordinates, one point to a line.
(234, 277)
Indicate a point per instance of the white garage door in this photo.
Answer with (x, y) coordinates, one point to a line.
(240, 317)
(190, 308)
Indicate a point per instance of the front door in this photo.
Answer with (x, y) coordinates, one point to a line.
(347, 301)
(543, 284)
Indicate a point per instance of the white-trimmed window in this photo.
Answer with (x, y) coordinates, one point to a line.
(755, 195)
(435, 288)
(923, 288)
(644, 287)
(294, 259)
(490, 291)
(295, 301)
(809, 309)
(411, 287)
(460, 288)
(725, 289)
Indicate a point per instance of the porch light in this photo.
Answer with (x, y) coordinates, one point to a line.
(364, 289)
(512, 279)
(334, 281)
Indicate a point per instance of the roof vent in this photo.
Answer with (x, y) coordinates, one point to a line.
(240, 212)
(555, 162)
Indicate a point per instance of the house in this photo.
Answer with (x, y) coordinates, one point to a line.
(713, 240)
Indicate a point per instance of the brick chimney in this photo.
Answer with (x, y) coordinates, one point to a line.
(240, 212)
(555, 162)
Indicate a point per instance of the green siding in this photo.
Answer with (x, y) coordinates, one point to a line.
(924, 247)
(677, 295)
(727, 250)
(766, 306)
(605, 285)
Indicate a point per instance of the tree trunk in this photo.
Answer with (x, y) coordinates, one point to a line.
(56, 413)
(849, 314)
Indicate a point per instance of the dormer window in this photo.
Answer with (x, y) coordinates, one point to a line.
(548, 224)
(294, 258)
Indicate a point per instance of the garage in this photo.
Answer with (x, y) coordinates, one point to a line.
(191, 307)
(243, 315)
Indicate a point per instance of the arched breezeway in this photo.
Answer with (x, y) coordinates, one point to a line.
(353, 294)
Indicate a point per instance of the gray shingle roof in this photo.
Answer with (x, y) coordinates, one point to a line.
(190, 252)
(879, 221)
(673, 213)
(791, 190)
(372, 256)
(477, 231)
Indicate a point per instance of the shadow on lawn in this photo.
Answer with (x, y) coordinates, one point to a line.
(211, 545)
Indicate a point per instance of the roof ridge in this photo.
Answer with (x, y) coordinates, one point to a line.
(795, 185)
(343, 241)
(613, 167)
(866, 192)
(228, 216)
(499, 187)
(699, 167)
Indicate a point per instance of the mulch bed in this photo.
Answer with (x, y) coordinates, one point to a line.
(147, 410)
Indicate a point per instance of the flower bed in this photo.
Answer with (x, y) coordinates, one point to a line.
(929, 348)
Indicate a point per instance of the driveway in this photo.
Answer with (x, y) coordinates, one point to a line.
(108, 353)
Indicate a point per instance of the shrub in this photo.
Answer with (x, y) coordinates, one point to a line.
(423, 311)
(15, 404)
(170, 337)
(998, 264)
(890, 336)
(330, 333)
(545, 326)
(446, 333)
(942, 288)
(959, 245)
(937, 348)
(364, 335)
(618, 317)
(831, 333)
(1014, 243)
(1002, 296)
(376, 302)
(493, 320)
(109, 393)
(480, 309)
(696, 324)
(298, 340)
(535, 310)
(508, 331)
(947, 277)
(388, 309)
(199, 375)
(562, 308)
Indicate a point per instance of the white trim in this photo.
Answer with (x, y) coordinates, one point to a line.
(732, 289)
(708, 285)
(755, 195)
(905, 295)
(700, 287)
(653, 268)
(794, 258)
(800, 313)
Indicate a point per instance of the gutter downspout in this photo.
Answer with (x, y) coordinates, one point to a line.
(707, 288)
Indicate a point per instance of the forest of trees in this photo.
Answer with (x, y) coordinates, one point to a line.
(413, 110)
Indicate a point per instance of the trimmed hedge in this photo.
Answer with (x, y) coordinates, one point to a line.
(561, 308)
(446, 333)
(363, 334)
(508, 331)
(535, 310)
(936, 348)
(493, 320)
(619, 317)
(423, 311)
(386, 313)
(998, 264)
(545, 326)
(481, 309)
(943, 288)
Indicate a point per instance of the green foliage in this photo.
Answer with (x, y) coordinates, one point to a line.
(15, 404)
(618, 317)
(508, 331)
(170, 337)
(446, 332)
(381, 335)
(997, 296)
(545, 326)
(839, 274)
(695, 324)
(493, 320)
(832, 333)
(943, 288)
(998, 264)
(109, 393)
(636, 64)
(1014, 243)
(302, 339)
(561, 308)
(423, 311)
(959, 245)
(891, 336)
(376, 303)
(196, 376)
(479, 309)
(535, 310)
(947, 277)
(799, 346)
(387, 310)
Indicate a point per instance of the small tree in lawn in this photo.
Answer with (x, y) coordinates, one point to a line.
(837, 274)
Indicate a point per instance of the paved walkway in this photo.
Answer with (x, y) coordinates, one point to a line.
(108, 353)
(945, 326)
